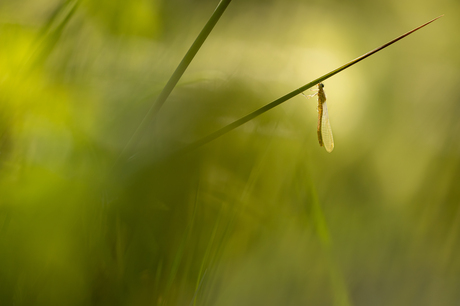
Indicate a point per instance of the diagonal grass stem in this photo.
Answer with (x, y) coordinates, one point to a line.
(161, 99)
(290, 95)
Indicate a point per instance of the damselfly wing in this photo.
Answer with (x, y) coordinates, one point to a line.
(326, 131)
(324, 127)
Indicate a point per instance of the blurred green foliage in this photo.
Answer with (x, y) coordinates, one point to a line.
(260, 216)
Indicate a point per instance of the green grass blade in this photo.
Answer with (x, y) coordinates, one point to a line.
(356, 60)
(161, 99)
(290, 95)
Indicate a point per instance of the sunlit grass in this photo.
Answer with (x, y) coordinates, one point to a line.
(258, 216)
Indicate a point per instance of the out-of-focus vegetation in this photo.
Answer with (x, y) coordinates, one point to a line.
(260, 216)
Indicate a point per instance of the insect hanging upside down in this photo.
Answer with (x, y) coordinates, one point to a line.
(324, 127)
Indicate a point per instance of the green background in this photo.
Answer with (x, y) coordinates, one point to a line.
(259, 216)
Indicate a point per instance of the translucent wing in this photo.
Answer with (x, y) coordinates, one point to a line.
(326, 131)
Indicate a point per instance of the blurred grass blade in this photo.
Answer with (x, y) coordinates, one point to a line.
(61, 8)
(193, 302)
(316, 217)
(292, 94)
(52, 31)
(158, 103)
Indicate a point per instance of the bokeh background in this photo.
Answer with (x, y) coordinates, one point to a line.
(259, 216)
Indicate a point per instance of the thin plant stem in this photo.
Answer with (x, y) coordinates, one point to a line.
(161, 99)
(290, 95)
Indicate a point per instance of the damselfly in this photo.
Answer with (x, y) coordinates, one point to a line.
(324, 127)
